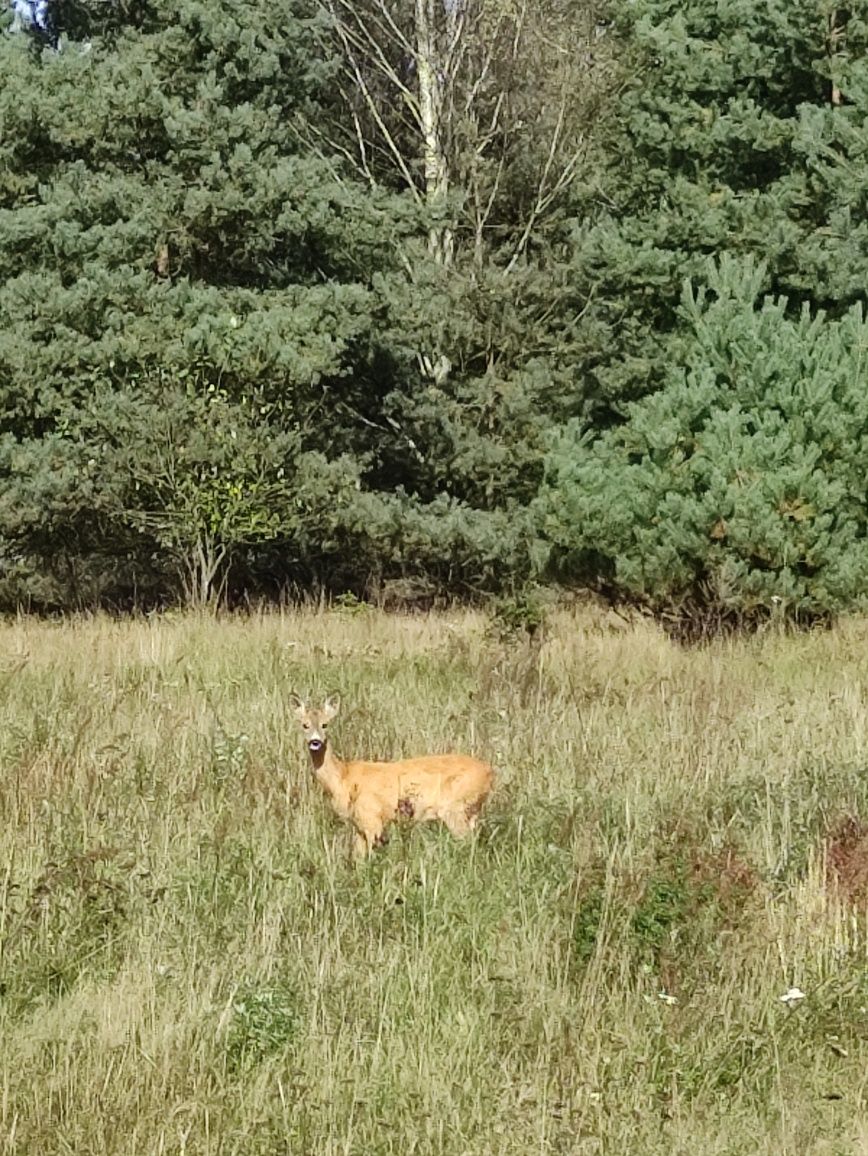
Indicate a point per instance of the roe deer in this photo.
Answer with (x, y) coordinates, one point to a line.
(451, 788)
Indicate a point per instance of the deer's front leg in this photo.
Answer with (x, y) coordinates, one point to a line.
(369, 831)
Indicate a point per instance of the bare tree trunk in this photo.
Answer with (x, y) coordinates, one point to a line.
(442, 92)
(204, 574)
(431, 71)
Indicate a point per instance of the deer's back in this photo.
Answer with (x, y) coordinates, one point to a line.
(432, 778)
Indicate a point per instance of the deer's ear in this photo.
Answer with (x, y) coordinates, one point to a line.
(331, 706)
(296, 703)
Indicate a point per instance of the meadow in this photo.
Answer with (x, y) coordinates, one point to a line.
(190, 962)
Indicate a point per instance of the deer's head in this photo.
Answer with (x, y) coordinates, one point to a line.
(315, 720)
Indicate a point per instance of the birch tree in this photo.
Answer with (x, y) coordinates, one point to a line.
(480, 108)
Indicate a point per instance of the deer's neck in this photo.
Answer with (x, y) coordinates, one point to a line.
(330, 771)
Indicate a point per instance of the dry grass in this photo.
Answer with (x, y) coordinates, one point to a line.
(189, 962)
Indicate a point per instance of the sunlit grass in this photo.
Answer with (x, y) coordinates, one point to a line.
(190, 962)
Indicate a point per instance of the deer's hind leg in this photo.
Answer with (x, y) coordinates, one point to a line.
(472, 810)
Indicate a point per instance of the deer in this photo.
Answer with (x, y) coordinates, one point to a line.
(373, 795)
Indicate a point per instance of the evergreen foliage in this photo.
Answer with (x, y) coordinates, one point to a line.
(248, 344)
(168, 237)
(738, 489)
(164, 242)
(740, 129)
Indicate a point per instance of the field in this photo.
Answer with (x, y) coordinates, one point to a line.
(191, 963)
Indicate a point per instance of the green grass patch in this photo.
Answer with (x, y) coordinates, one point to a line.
(191, 962)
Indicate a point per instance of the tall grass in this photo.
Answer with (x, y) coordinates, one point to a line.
(190, 962)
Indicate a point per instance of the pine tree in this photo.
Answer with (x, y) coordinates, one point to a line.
(184, 234)
(164, 235)
(737, 491)
(740, 130)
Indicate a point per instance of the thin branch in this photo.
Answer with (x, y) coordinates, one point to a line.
(483, 216)
(310, 136)
(386, 21)
(374, 110)
(544, 198)
(365, 42)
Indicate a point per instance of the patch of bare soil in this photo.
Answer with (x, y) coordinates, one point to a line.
(847, 860)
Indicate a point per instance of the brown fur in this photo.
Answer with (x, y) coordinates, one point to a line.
(451, 788)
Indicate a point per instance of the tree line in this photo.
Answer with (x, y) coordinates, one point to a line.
(459, 294)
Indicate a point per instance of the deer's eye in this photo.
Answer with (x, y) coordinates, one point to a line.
(305, 726)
